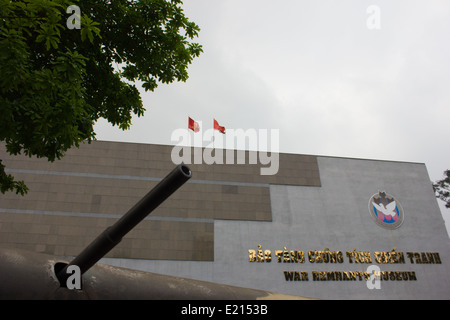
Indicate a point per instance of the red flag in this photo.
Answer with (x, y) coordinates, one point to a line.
(193, 125)
(217, 127)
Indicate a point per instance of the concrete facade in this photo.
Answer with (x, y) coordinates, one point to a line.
(335, 217)
(314, 210)
(72, 200)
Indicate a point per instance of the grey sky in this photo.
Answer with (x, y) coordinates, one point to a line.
(314, 70)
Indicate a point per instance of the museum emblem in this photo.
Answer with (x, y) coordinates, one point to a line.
(385, 210)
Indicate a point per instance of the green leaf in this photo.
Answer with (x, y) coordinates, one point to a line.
(54, 84)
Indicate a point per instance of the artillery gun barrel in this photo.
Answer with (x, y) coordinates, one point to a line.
(109, 238)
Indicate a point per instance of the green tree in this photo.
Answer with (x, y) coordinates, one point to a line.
(56, 81)
(442, 189)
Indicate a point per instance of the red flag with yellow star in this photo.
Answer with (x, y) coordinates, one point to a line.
(193, 125)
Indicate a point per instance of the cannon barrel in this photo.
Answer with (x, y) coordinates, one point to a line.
(109, 238)
(30, 275)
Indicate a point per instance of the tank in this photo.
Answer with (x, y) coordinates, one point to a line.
(31, 275)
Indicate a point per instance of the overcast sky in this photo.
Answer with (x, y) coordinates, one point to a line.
(359, 79)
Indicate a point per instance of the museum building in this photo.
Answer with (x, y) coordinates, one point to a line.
(321, 227)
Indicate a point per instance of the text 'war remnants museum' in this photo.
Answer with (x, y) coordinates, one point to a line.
(321, 227)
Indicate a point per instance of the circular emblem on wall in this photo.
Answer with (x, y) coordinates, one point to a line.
(385, 210)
